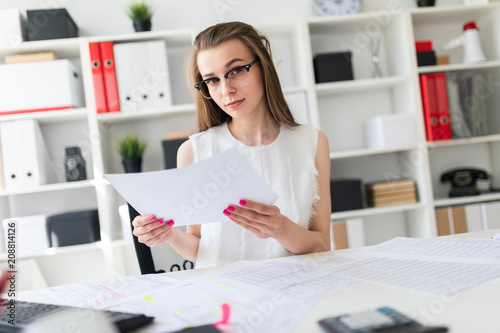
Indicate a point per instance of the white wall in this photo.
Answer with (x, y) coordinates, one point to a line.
(107, 17)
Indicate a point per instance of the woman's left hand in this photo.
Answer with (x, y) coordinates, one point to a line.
(263, 220)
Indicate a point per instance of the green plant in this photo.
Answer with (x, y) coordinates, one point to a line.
(131, 147)
(140, 11)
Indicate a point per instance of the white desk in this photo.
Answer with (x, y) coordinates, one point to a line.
(474, 311)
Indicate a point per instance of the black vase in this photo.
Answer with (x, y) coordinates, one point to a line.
(132, 165)
(142, 26)
(426, 3)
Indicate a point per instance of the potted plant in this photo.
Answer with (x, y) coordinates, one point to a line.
(140, 12)
(131, 149)
(426, 3)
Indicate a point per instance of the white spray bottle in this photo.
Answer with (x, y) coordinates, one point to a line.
(470, 42)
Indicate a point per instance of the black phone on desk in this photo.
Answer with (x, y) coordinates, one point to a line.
(381, 320)
(464, 181)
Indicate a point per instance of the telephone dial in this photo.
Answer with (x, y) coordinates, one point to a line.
(463, 181)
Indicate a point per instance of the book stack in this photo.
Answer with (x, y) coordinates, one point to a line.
(388, 193)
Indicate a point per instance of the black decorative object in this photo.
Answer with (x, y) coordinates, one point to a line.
(50, 24)
(73, 228)
(426, 3)
(330, 67)
(142, 26)
(74, 165)
(426, 58)
(346, 194)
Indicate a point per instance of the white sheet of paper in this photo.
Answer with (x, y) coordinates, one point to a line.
(197, 193)
(106, 293)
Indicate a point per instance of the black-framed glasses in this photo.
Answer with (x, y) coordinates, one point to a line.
(237, 77)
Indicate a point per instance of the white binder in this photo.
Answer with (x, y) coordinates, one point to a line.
(142, 75)
(26, 161)
(473, 217)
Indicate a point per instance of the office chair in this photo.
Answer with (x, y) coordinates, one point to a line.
(161, 258)
(158, 259)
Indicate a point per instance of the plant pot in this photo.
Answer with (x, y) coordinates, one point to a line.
(142, 26)
(132, 165)
(426, 3)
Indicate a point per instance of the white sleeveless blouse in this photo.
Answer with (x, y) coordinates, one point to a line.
(287, 165)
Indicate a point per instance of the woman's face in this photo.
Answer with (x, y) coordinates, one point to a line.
(236, 102)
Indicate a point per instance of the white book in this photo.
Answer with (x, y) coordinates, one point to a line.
(473, 217)
(492, 210)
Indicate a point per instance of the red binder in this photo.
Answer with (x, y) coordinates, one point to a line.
(97, 77)
(109, 72)
(443, 106)
(435, 104)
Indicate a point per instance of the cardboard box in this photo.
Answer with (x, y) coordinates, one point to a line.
(32, 57)
(40, 86)
(12, 27)
(50, 24)
(391, 130)
(30, 234)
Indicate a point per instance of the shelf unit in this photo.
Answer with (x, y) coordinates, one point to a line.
(339, 109)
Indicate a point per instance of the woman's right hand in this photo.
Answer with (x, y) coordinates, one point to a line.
(152, 231)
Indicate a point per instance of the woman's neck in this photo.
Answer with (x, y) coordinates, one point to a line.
(254, 132)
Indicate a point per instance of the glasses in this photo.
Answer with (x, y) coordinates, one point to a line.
(237, 77)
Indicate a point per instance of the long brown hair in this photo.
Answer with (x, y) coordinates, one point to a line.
(208, 113)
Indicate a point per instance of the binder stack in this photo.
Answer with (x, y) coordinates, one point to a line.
(435, 105)
(396, 192)
(26, 162)
(102, 63)
(142, 75)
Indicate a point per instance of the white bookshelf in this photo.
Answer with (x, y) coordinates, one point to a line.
(338, 108)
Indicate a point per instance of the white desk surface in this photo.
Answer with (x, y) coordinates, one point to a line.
(471, 312)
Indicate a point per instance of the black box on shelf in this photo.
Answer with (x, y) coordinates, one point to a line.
(170, 148)
(330, 67)
(73, 228)
(346, 194)
(50, 24)
(426, 58)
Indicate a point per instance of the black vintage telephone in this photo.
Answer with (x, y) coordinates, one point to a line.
(463, 181)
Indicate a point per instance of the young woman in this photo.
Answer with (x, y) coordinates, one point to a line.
(240, 104)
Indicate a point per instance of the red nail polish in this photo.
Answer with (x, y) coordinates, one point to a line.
(160, 221)
(243, 202)
(152, 218)
(170, 223)
(230, 209)
(226, 212)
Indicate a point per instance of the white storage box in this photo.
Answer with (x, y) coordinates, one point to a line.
(30, 234)
(40, 86)
(12, 27)
(391, 130)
